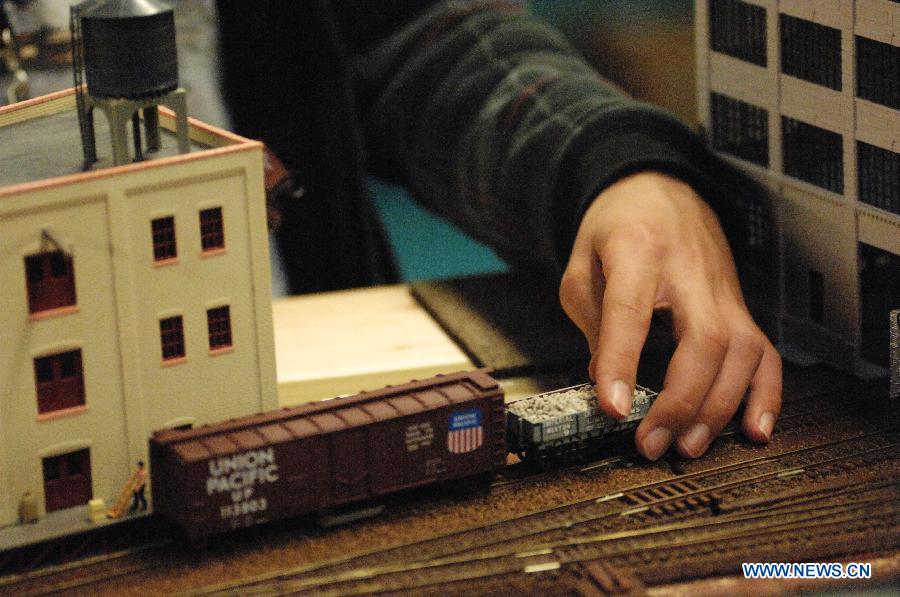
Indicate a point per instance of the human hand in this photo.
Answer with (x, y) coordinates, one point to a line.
(650, 242)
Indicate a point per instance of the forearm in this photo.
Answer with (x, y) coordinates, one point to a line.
(495, 122)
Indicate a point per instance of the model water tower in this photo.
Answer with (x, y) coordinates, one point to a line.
(125, 62)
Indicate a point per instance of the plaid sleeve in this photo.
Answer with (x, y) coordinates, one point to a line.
(495, 122)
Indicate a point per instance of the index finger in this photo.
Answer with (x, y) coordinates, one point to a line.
(631, 282)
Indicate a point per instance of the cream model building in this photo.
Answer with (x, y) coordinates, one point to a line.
(134, 298)
(806, 95)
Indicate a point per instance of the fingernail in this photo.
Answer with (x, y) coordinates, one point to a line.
(656, 443)
(694, 441)
(766, 424)
(620, 396)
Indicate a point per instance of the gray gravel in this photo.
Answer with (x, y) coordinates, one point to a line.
(570, 401)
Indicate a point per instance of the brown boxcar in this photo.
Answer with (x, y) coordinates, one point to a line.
(317, 456)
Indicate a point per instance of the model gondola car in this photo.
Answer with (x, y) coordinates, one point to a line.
(567, 424)
(317, 456)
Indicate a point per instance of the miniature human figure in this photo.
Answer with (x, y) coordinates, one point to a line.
(493, 121)
(140, 484)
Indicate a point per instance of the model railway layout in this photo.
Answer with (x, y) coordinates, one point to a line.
(825, 489)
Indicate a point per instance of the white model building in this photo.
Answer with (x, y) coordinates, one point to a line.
(805, 94)
(134, 298)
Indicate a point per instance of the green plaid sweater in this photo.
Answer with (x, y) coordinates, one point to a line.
(485, 113)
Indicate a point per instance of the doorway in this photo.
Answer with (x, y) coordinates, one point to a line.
(67, 480)
(879, 279)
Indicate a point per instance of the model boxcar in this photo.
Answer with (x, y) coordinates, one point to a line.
(567, 424)
(317, 456)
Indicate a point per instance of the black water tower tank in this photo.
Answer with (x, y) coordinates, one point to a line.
(129, 47)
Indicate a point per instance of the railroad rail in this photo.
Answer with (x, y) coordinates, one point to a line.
(646, 552)
(695, 494)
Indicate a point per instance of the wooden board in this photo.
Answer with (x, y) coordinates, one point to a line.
(342, 342)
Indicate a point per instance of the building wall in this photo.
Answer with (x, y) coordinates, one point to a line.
(202, 388)
(820, 228)
(79, 219)
(808, 220)
(103, 220)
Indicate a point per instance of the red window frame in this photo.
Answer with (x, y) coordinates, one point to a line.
(59, 381)
(50, 279)
(171, 337)
(165, 246)
(212, 229)
(218, 322)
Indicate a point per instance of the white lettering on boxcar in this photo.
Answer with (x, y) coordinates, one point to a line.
(237, 462)
(418, 436)
(239, 474)
(243, 508)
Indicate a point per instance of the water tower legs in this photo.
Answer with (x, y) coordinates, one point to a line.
(120, 111)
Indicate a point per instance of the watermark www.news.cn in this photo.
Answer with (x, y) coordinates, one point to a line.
(806, 570)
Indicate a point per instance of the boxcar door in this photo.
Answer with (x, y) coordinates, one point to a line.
(351, 465)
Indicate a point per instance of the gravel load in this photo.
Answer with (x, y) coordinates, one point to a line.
(545, 407)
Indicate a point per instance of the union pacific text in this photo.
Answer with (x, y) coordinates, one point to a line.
(241, 471)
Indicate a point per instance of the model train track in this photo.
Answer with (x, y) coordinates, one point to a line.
(83, 582)
(694, 491)
(871, 522)
(83, 573)
(669, 561)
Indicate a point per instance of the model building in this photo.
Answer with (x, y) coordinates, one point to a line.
(136, 293)
(805, 94)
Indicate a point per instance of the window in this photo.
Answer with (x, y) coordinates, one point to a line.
(740, 129)
(816, 296)
(212, 231)
(219, 323)
(59, 381)
(878, 72)
(50, 278)
(813, 154)
(164, 247)
(738, 29)
(171, 335)
(811, 52)
(879, 176)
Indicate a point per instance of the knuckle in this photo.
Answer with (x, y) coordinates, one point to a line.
(633, 309)
(641, 240)
(713, 337)
(565, 297)
(679, 411)
(720, 407)
(569, 287)
(749, 341)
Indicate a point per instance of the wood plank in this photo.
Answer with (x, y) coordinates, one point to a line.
(342, 342)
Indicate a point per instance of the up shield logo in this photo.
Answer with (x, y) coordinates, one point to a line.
(466, 433)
